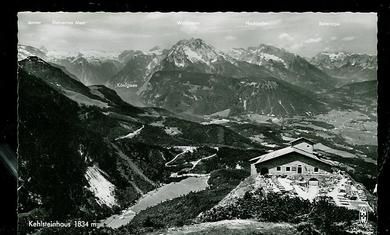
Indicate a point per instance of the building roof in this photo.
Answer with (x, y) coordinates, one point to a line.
(299, 140)
(285, 151)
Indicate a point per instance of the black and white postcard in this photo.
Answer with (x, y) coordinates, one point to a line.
(197, 123)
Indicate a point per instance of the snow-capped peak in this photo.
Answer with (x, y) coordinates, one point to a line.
(25, 51)
(36, 60)
(261, 55)
(195, 50)
(89, 55)
(333, 56)
(338, 59)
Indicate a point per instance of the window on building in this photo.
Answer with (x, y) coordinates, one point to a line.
(315, 169)
(278, 168)
(294, 168)
(287, 168)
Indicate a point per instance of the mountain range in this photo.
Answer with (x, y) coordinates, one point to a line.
(286, 66)
(347, 67)
(89, 68)
(195, 77)
(93, 153)
(86, 140)
(205, 94)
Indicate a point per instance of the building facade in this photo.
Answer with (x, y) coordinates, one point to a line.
(298, 158)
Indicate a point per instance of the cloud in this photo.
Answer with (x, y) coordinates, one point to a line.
(349, 38)
(286, 36)
(123, 31)
(313, 40)
(296, 46)
(230, 38)
(188, 26)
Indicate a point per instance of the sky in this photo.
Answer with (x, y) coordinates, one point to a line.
(305, 34)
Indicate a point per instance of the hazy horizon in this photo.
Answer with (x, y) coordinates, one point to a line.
(305, 34)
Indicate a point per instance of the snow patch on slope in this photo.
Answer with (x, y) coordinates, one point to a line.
(100, 187)
(335, 56)
(193, 56)
(268, 57)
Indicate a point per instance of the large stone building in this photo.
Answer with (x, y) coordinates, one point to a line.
(298, 158)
